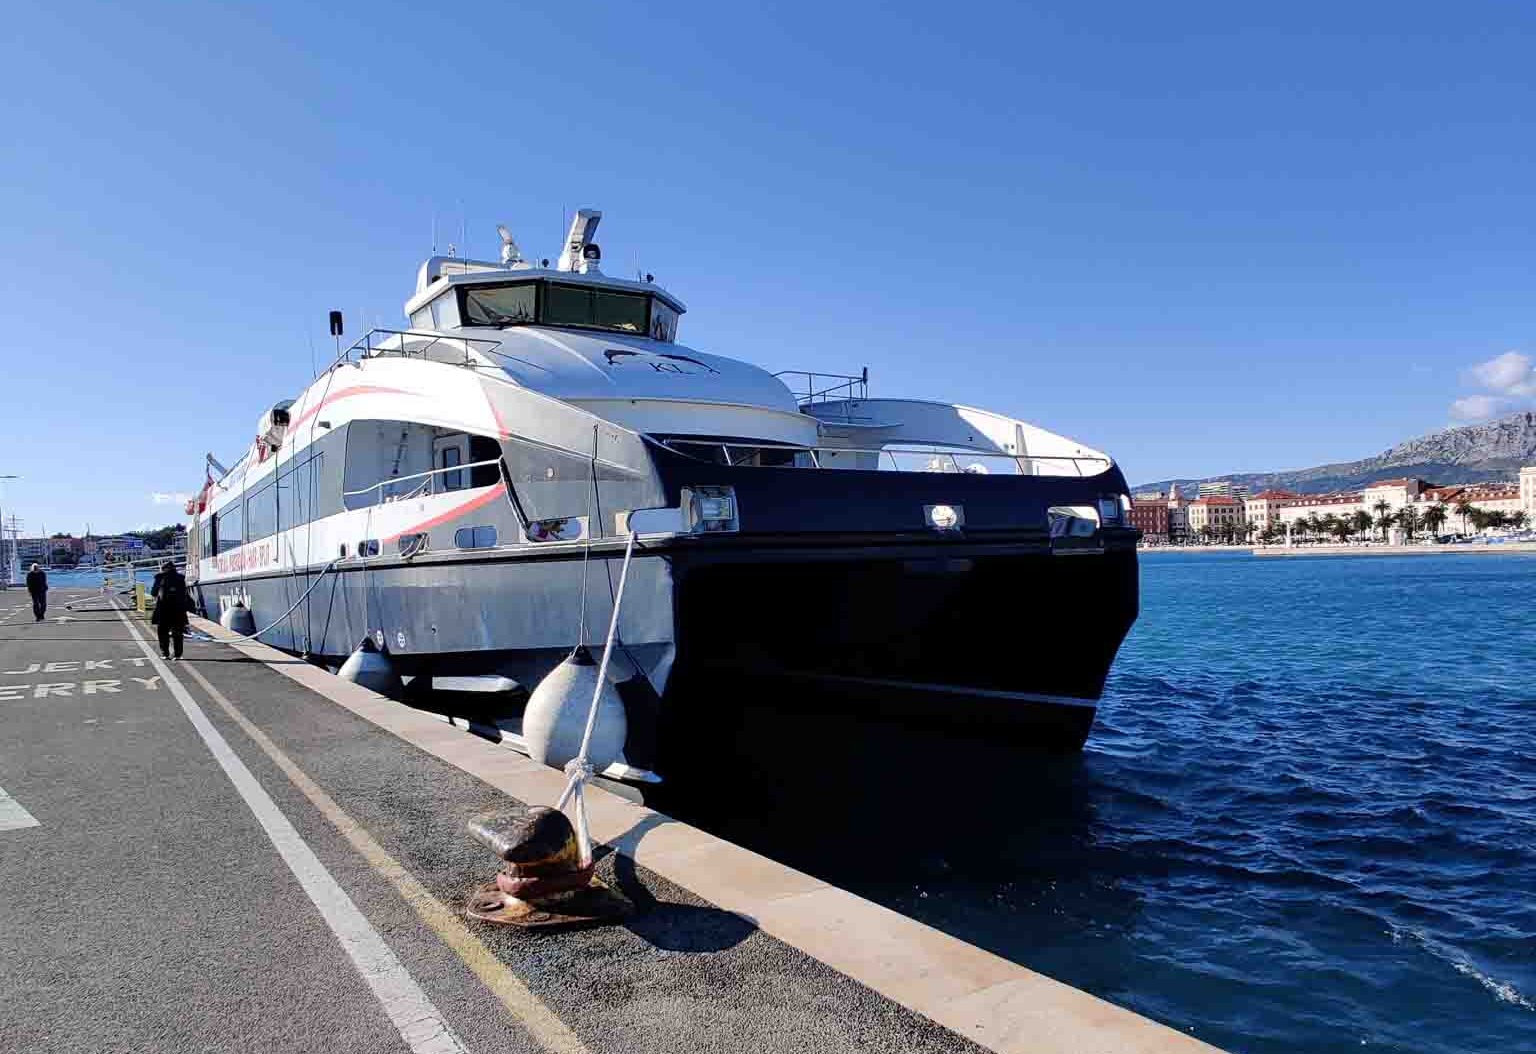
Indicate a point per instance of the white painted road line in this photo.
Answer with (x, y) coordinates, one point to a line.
(516, 996)
(419, 1022)
(12, 816)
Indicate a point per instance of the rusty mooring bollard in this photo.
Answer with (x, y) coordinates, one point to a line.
(542, 881)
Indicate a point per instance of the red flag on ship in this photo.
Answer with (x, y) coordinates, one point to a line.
(199, 504)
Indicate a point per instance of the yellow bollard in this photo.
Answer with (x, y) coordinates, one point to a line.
(138, 598)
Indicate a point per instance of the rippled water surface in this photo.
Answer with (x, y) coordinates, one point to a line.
(1305, 820)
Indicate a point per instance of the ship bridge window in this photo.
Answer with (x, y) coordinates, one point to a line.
(565, 304)
(568, 305)
(739, 452)
(663, 322)
(500, 305)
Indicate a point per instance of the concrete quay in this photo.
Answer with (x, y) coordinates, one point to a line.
(241, 852)
(1397, 550)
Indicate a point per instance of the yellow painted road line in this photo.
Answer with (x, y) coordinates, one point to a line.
(527, 1008)
(420, 1024)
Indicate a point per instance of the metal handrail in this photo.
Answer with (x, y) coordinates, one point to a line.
(373, 343)
(418, 475)
(845, 386)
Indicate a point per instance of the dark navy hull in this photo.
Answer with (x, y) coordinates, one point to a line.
(975, 637)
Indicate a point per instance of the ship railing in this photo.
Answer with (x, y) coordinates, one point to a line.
(808, 387)
(471, 353)
(903, 458)
(407, 344)
(425, 489)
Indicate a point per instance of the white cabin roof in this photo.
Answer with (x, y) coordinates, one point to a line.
(579, 366)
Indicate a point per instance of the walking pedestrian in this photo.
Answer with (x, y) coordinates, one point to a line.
(37, 585)
(170, 617)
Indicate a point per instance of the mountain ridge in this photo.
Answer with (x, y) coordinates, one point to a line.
(1494, 450)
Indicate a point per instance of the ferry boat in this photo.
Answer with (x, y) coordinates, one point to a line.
(460, 492)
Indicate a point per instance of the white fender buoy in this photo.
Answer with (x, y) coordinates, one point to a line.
(238, 619)
(372, 669)
(556, 716)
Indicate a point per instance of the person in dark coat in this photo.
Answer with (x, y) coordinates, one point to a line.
(37, 585)
(170, 617)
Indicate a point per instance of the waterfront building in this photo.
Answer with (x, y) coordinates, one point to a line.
(1178, 516)
(117, 545)
(1223, 488)
(1395, 492)
(43, 549)
(1302, 506)
(1149, 515)
(1263, 509)
(1486, 497)
(1280, 508)
(1216, 512)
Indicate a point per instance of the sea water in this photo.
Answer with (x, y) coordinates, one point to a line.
(1317, 780)
(90, 578)
(1305, 819)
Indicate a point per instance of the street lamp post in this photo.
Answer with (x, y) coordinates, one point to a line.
(7, 567)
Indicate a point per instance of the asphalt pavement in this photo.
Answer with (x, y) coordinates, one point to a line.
(154, 903)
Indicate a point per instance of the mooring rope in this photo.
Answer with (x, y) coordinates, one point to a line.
(579, 769)
(252, 636)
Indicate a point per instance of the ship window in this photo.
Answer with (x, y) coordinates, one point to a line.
(566, 305)
(481, 449)
(499, 305)
(663, 322)
(261, 513)
(740, 452)
(474, 537)
(450, 457)
(558, 304)
(226, 527)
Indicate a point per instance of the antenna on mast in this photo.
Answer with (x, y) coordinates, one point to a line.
(578, 250)
(510, 253)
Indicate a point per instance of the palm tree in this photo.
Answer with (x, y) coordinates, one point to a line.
(1383, 510)
(1408, 520)
(1435, 517)
(1342, 526)
(1517, 519)
(1362, 521)
(1465, 509)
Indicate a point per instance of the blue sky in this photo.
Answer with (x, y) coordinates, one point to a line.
(1203, 238)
